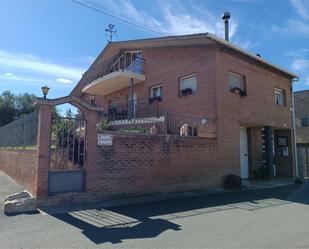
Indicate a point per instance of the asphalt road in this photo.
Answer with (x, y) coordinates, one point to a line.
(271, 218)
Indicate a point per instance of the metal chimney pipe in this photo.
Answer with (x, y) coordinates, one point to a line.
(226, 16)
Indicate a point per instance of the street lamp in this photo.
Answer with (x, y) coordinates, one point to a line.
(45, 90)
(92, 99)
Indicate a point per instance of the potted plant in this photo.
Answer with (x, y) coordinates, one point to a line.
(186, 91)
(158, 98)
(239, 91)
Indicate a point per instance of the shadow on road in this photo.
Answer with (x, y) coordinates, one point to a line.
(151, 219)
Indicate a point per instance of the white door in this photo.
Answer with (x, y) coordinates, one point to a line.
(244, 167)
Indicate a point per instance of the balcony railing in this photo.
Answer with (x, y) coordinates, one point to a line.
(140, 108)
(131, 61)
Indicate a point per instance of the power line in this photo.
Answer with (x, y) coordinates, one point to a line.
(261, 18)
(119, 18)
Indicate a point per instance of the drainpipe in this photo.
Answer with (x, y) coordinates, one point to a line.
(294, 131)
(132, 102)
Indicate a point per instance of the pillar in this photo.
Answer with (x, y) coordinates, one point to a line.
(43, 150)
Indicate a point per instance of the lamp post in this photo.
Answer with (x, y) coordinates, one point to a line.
(45, 90)
(92, 99)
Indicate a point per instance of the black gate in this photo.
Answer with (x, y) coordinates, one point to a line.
(67, 155)
(303, 159)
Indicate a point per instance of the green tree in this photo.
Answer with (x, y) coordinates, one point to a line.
(13, 106)
(8, 111)
(25, 104)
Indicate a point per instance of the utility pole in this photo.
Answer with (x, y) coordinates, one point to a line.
(110, 31)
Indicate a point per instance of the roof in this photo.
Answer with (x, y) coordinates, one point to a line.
(113, 48)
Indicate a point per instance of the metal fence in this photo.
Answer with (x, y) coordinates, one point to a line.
(167, 123)
(20, 133)
(140, 108)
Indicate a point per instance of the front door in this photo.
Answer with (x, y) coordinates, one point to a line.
(244, 168)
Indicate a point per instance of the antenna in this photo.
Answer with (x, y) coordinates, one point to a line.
(110, 31)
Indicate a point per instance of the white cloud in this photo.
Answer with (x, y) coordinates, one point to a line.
(64, 81)
(300, 64)
(34, 64)
(292, 27)
(302, 7)
(13, 77)
(184, 23)
(176, 19)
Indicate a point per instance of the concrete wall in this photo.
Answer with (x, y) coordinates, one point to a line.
(21, 165)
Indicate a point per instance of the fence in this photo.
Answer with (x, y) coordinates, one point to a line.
(20, 133)
(167, 123)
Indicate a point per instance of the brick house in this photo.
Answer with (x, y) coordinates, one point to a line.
(174, 114)
(249, 97)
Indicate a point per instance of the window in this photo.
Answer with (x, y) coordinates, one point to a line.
(305, 122)
(237, 81)
(156, 92)
(188, 84)
(279, 96)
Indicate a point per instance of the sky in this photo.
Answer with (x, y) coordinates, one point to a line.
(53, 42)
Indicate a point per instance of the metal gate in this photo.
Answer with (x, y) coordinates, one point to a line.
(303, 159)
(67, 155)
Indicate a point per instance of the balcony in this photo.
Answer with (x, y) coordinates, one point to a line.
(147, 116)
(127, 70)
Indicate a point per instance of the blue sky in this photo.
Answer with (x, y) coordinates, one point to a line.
(54, 42)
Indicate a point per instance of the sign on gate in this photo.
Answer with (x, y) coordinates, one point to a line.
(105, 139)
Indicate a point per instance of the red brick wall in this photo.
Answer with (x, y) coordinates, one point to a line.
(21, 166)
(257, 109)
(137, 164)
(166, 66)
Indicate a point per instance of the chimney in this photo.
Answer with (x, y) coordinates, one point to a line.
(226, 16)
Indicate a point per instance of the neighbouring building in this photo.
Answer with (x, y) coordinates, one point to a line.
(167, 114)
(301, 105)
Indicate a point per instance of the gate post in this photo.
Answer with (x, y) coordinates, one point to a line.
(43, 150)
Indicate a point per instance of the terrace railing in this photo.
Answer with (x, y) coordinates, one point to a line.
(168, 123)
(140, 108)
(21, 133)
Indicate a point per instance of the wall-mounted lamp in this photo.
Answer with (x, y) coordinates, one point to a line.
(45, 90)
(92, 99)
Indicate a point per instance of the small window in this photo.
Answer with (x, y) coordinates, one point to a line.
(305, 122)
(279, 96)
(156, 92)
(237, 81)
(188, 84)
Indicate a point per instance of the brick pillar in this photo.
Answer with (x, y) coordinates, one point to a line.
(43, 151)
(91, 145)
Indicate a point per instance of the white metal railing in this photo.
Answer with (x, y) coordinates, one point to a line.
(131, 61)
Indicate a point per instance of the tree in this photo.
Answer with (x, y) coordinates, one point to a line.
(25, 104)
(14, 106)
(8, 109)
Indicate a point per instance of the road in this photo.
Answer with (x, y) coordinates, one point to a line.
(270, 218)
